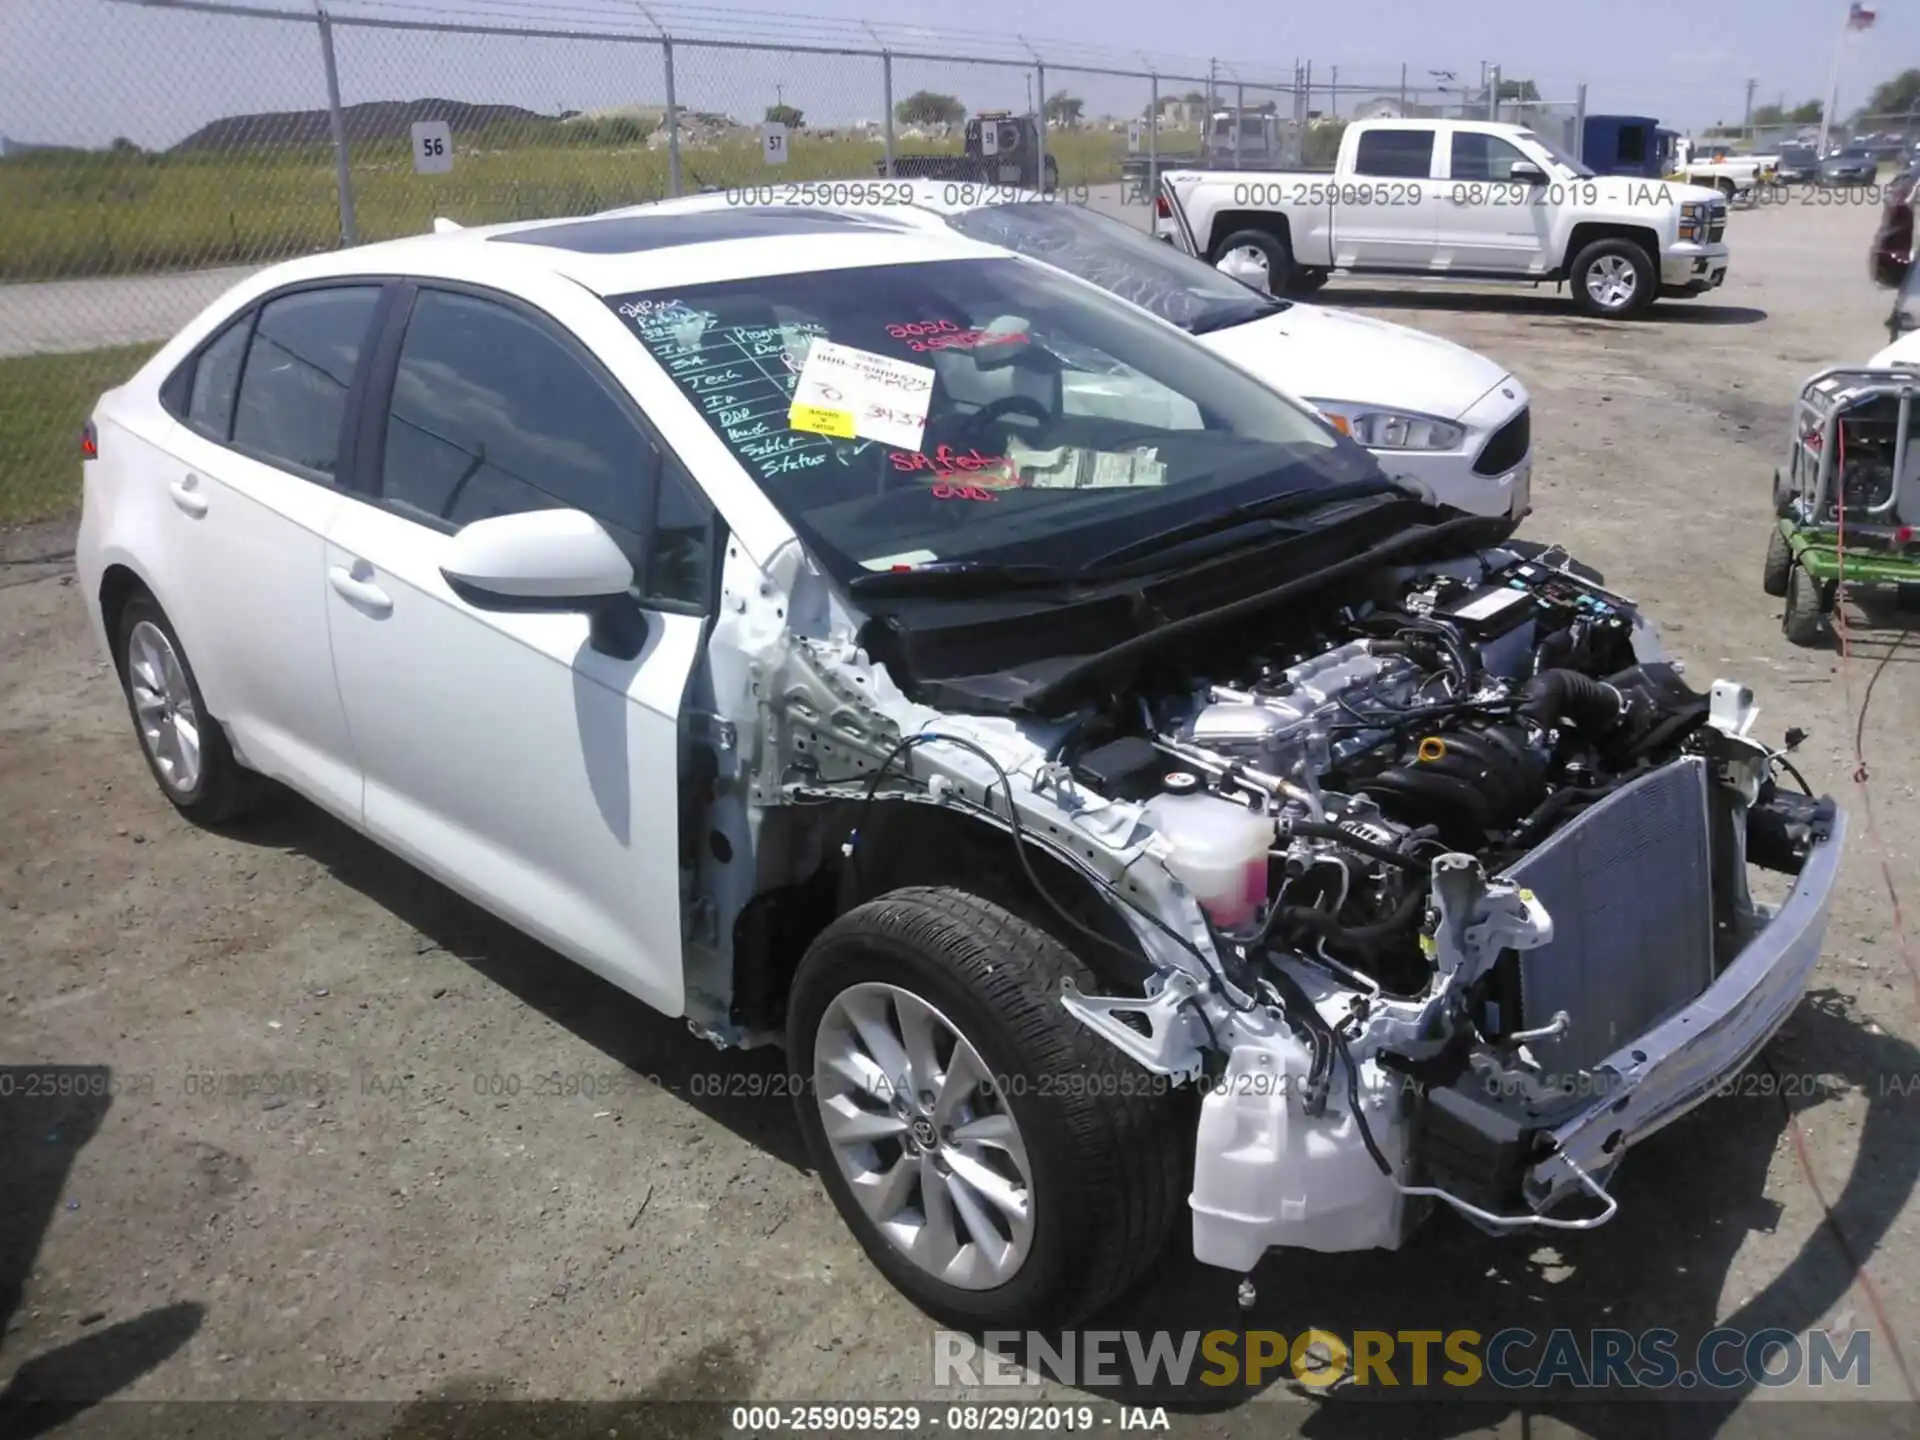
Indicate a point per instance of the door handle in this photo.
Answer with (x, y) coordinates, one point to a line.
(186, 494)
(361, 593)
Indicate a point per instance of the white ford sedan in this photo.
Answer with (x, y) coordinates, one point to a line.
(1431, 411)
(1110, 810)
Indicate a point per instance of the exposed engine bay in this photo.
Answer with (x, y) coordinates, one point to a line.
(1468, 717)
(1441, 877)
(1356, 810)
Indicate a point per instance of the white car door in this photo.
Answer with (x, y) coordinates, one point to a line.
(1488, 222)
(251, 473)
(502, 751)
(1387, 212)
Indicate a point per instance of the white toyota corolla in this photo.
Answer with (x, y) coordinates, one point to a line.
(1431, 411)
(1109, 812)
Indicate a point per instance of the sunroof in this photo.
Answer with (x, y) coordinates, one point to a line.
(623, 234)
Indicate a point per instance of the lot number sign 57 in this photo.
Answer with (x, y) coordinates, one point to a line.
(773, 143)
(432, 147)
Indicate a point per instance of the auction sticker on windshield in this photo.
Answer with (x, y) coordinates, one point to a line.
(853, 393)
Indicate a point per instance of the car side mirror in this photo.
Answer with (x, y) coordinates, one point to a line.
(549, 560)
(1248, 272)
(1523, 173)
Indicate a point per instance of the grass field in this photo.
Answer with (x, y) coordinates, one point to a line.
(44, 400)
(66, 214)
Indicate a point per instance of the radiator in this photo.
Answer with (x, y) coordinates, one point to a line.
(1629, 887)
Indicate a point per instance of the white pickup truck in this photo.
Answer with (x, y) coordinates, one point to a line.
(1455, 200)
(1736, 176)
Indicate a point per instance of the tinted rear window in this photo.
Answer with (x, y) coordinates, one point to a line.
(1405, 154)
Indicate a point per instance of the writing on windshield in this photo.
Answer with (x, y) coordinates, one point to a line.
(864, 400)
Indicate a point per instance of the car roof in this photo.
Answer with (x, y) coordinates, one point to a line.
(623, 251)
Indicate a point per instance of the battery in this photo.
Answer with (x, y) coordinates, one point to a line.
(1490, 611)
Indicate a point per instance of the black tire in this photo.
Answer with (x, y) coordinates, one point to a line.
(1728, 189)
(224, 790)
(1274, 248)
(1645, 276)
(1805, 619)
(1305, 282)
(1779, 564)
(1109, 1155)
(1783, 496)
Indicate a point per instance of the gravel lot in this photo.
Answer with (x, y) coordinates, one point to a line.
(427, 1208)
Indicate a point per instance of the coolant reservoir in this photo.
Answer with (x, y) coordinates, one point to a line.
(1218, 850)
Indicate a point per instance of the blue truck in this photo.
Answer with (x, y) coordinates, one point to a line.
(1627, 145)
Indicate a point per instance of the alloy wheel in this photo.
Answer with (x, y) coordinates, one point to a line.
(163, 703)
(1611, 281)
(924, 1136)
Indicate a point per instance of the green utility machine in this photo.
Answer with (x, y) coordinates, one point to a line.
(1847, 502)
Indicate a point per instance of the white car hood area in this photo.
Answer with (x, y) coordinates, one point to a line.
(1316, 353)
(1904, 351)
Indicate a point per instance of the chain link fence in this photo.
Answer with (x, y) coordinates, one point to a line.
(1893, 136)
(281, 127)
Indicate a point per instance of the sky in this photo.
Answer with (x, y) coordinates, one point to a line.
(85, 71)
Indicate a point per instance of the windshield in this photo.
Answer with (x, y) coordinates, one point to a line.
(1117, 258)
(987, 411)
(1559, 156)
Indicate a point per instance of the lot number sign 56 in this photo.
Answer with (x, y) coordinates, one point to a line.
(432, 147)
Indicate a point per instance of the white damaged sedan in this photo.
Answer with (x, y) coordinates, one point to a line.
(1114, 816)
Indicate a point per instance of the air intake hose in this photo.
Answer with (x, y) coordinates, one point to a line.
(1556, 696)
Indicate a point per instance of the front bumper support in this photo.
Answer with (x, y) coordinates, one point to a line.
(1661, 1075)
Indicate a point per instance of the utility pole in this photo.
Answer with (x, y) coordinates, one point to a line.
(1333, 91)
(1833, 86)
(1746, 125)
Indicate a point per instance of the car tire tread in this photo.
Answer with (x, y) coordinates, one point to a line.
(1128, 1164)
(227, 790)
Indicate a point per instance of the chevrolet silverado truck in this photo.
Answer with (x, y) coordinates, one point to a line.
(1455, 200)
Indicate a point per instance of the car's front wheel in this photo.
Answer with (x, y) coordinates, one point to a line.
(186, 748)
(1000, 1164)
(1614, 279)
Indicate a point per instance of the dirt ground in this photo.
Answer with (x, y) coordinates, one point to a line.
(355, 1140)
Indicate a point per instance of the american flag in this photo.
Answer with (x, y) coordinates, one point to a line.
(1859, 17)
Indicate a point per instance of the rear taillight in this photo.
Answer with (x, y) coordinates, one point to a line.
(89, 442)
(1161, 209)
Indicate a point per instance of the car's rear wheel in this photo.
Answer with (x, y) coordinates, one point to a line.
(186, 748)
(997, 1161)
(1265, 251)
(1614, 279)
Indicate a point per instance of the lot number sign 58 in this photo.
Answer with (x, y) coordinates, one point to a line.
(432, 147)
